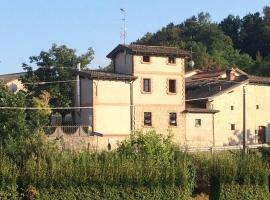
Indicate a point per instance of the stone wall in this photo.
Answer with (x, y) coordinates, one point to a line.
(77, 138)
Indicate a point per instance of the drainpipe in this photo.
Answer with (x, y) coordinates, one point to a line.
(213, 127)
(131, 107)
(244, 121)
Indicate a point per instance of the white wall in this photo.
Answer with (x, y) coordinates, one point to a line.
(226, 117)
(258, 95)
(200, 136)
(111, 107)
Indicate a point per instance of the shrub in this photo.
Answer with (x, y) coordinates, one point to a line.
(265, 151)
(202, 163)
(243, 192)
(148, 144)
(235, 175)
(8, 173)
(152, 167)
(9, 194)
(115, 193)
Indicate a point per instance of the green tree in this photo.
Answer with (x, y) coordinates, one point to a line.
(250, 34)
(231, 26)
(21, 130)
(40, 116)
(12, 121)
(214, 49)
(265, 32)
(57, 64)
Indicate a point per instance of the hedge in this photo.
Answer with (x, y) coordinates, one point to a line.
(239, 177)
(9, 194)
(115, 193)
(241, 192)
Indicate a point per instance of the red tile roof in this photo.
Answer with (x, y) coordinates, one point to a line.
(149, 50)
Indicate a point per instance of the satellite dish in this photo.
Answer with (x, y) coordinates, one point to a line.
(191, 64)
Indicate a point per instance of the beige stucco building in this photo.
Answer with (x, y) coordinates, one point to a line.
(146, 90)
(234, 94)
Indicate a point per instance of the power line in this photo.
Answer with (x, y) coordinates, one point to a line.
(45, 82)
(57, 68)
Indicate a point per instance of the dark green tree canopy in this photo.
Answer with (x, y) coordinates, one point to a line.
(212, 46)
(234, 42)
(19, 123)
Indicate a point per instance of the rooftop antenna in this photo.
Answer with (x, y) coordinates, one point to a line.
(124, 33)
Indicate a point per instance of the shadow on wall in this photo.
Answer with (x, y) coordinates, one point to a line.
(237, 138)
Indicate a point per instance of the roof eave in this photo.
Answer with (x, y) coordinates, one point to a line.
(102, 77)
(114, 52)
(204, 111)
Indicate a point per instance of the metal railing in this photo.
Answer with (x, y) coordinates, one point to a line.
(68, 130)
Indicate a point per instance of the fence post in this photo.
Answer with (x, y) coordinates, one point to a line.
(212, 150)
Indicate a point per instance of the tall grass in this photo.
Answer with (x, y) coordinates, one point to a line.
(145, 161)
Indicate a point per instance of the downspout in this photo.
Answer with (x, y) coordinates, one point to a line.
(131, 107)
(213, 127)
(131, 98)
(244, 121)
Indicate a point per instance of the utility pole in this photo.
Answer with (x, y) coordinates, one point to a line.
(244, 121)
(78, 95)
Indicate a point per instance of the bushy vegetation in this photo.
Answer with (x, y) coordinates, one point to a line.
(246, 176)
(243, 192)
(143, 166)
(146, 166)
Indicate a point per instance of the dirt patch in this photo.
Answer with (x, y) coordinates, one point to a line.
(200, 197)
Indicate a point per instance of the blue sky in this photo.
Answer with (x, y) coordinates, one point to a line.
(29, 26)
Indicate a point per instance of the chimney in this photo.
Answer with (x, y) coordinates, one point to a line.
(229, 75)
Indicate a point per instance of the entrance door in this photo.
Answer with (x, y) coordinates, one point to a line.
(261, 135)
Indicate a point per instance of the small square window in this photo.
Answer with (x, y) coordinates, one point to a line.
(198, 122)
(172, 86)
(147, 85)
(146, 58)
(232, 127)
(173, 119)
(147, 119)
(232, 107)
(171, 60)
(257, 107)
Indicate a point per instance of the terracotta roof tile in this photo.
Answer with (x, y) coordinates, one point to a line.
(96, 74)
(259, 79)
(207, 88)
(149, 50)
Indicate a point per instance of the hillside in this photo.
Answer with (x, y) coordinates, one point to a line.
(233, 42)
